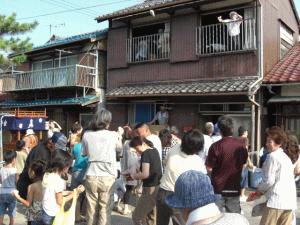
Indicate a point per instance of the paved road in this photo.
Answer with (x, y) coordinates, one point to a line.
(118, 219)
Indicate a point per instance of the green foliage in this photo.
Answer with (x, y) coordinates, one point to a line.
(9, 27)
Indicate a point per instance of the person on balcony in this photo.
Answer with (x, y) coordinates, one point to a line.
(233, 27)
(162, 44)
(142, 51)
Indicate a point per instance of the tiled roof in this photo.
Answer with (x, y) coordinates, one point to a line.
(67, 40)
(196, 87)
(79, 37)
(288, 69)
(145, 5)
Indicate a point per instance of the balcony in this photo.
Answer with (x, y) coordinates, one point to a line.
(226, 37)
(148, 48)
(75, 75)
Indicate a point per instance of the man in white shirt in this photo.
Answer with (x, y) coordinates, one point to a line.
(144, 130)
(162, 116)
(208, 140)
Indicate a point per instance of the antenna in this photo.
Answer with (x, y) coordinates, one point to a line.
(55, 25)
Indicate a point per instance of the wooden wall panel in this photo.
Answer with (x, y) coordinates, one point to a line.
(233, 65)
(183, 38)
(116, 44)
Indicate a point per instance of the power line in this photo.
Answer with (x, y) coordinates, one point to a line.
(66, 2)
(72, 10)
(64, 5)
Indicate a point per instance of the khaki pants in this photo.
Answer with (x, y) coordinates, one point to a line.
(99, 194)
(276, 217)
(145, 210)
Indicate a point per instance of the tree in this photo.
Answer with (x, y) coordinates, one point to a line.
(8, 44)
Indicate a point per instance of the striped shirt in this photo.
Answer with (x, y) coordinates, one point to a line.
(278, 181)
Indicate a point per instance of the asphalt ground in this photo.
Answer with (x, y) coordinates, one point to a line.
(118, 219)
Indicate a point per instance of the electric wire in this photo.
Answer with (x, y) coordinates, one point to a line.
(67, 6)
(71, 4)
(72, 10)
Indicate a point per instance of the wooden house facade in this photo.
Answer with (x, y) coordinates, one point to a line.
(178, 54)
(65, 77)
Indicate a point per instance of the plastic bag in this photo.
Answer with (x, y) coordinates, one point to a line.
(66, 217)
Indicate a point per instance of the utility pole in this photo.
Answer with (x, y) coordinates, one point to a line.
(55, 25)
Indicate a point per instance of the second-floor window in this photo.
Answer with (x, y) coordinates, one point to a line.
(149, 43)
(58, 62)
(65, 61)
(227, 32)
(286, 39)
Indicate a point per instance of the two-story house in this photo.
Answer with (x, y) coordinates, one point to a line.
(282, 86)
(65, 77)
(193, 57)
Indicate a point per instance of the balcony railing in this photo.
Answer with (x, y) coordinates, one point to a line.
(148, 48)
(227, 37)
(75, 75)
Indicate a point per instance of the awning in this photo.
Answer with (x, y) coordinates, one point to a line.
(230, 86)
(284, 99)
(82, 101)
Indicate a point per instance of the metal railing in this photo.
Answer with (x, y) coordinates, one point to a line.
(148, 48)
(75, 75)
(226, 37)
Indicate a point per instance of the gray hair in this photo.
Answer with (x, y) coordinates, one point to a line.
(104, 116)
(208, 128)
(232, 13)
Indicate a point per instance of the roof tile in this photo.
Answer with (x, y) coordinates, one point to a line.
(187, 87)
(288, 69)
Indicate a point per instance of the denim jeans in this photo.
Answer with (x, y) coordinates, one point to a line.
(77, 178)
(37, 223)
(47, 220)
(8, 204)
(164, 212)
(229, 204)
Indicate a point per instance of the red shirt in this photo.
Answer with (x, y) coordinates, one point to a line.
(226, 157)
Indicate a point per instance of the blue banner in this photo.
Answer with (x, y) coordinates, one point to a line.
(23, 123)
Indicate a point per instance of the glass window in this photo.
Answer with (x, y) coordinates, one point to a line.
(65, 61)
(286, 39)
(42, 65)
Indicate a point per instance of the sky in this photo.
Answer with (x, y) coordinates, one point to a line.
(65, 18)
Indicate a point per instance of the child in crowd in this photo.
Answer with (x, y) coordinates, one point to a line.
(8, 179)
(76, 134)
(35, 193)
(54, 186)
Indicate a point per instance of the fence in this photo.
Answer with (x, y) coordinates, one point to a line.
(75, 75)
(148, 48)
(226, 37)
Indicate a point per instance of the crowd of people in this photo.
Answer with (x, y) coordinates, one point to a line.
(197, 179)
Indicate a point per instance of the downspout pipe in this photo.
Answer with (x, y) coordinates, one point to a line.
(251, 98)
(252, 89)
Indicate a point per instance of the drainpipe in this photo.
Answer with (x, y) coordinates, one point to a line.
(252, 93)
(251, 98)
